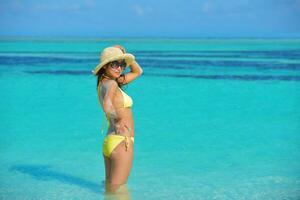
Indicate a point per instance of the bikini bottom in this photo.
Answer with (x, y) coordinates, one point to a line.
(111, 141)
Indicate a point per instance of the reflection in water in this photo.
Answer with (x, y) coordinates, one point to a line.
(122, 193)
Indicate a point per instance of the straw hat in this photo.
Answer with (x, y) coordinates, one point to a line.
(110, 54)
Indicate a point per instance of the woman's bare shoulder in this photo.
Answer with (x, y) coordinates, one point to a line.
(108, 87)
(109, 83)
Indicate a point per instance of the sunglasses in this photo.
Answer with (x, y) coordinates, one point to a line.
(116, 64)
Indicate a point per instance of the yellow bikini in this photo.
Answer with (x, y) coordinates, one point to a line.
(111, 141)
(127, 101)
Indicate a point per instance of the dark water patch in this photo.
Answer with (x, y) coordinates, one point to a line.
(233, 56)
(158, 63)
(59, 72)
(150, 63)
(36, 60)
(297, 51)
(293, 53)
(51, 52)
(286, 54)
(232, 77)
(215, 77)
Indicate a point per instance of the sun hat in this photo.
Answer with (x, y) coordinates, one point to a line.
(110, 54)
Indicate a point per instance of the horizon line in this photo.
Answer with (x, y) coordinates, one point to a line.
(14, 37)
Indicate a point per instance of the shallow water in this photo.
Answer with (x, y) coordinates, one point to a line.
(214, 119)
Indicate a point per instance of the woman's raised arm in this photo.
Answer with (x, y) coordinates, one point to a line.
(107, 96)
(135, 71)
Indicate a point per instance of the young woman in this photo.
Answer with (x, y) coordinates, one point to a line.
(116, 104)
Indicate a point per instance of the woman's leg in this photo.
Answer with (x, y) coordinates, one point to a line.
(107, 164)
(120, 164)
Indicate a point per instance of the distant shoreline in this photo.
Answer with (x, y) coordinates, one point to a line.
(67, 38)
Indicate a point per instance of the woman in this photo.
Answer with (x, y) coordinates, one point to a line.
(116, 104)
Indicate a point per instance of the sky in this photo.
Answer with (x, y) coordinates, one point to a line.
(150, 18)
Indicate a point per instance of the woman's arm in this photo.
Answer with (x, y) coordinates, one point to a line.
(135, 71)
(108, 94)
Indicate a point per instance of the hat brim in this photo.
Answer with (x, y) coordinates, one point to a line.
(129, 58)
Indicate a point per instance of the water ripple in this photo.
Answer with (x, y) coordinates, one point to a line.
(245, 77)
(151, 63)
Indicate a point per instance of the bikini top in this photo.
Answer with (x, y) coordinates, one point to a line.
(127, 101)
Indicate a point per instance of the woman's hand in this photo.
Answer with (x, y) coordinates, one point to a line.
(121, 47)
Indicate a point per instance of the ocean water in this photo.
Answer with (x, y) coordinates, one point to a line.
(214, 119)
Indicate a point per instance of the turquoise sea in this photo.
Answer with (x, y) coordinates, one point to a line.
(214, 119)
